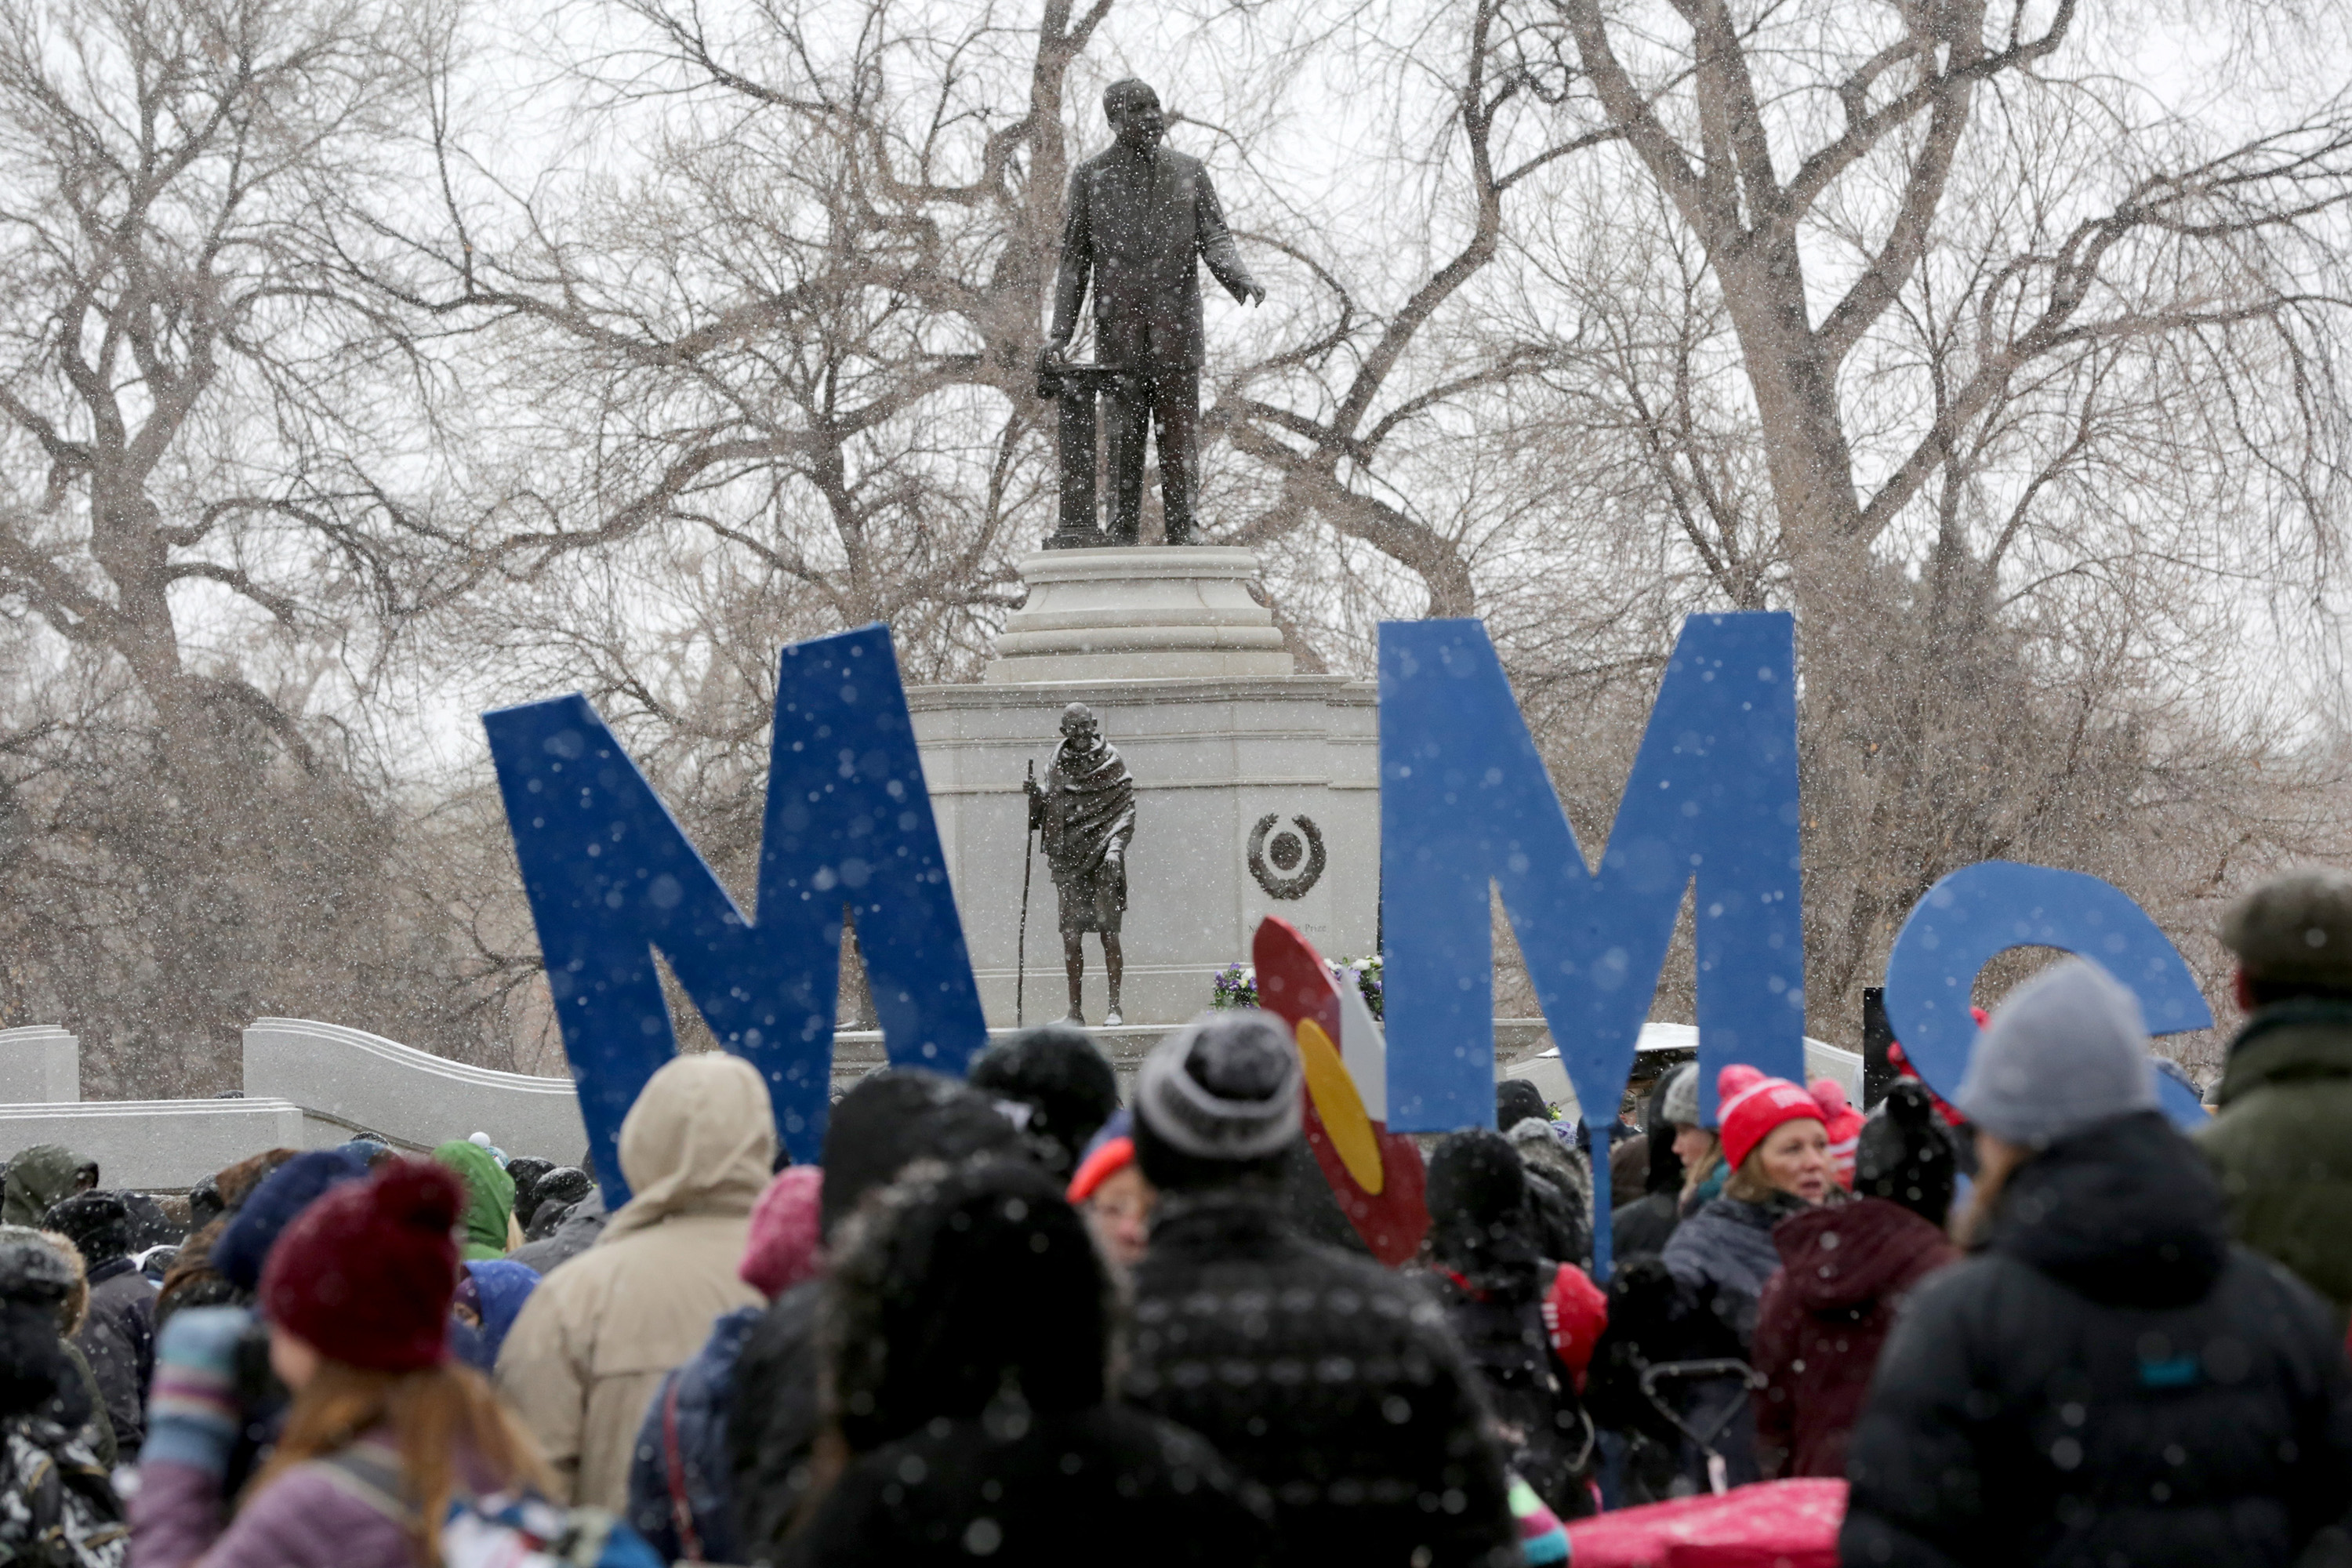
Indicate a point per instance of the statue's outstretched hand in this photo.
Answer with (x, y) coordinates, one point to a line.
(1255, 294)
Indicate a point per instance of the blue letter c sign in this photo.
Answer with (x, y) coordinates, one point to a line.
(1987, 908)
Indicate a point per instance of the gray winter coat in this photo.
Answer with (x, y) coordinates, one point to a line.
(1722, 1256)
(575, 1235)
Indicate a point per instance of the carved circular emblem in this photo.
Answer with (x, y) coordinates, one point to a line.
(1274, 858)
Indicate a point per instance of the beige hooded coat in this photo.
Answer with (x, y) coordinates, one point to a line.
(596, 1338)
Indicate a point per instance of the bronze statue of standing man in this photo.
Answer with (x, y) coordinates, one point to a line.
(1087, 808)
(1140, 217)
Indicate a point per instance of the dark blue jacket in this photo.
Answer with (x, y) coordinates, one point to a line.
(693, 1454)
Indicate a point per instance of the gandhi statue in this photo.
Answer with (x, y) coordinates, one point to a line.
(1141, 220)
(1085, 808)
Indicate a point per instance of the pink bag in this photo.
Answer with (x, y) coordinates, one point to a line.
(1772, 1524)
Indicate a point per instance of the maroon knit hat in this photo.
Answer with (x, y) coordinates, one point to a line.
(366, 1273)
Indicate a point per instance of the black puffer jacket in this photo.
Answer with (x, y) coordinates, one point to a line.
(1099, 1486)
(1324, 1378)
(966, 1332)
(1560, 1192)
(57, 1505)
(1538, 1420)
(892, 1118)
(573, 1234)
(2109, 1381)
(1641, 1225)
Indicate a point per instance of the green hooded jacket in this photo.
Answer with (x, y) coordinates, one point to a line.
(490, 1198)
(2282, 1141)
(37, 1178)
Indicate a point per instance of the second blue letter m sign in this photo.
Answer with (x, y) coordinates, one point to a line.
(610, 878)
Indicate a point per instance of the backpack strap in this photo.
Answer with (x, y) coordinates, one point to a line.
(681, 1510)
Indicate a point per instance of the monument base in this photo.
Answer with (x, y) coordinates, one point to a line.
(1257, 790)
(858, 1052)
(1142, 612)
(1252, 798)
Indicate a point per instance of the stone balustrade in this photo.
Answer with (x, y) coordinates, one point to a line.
(307, 1085)
(349, 1081)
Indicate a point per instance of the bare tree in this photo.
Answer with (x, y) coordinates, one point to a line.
(808, 330)
(786, 369)
(1996, 374)
(1333, 421)
(186, 522)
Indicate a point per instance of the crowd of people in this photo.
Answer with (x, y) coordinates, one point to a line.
(1009, 1318)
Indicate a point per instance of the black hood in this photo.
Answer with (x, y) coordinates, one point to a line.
(97, 1223)
(956, 1288)
(2128, 1213)
(1479, 1227)
(1064, 1079)
(894, 1117)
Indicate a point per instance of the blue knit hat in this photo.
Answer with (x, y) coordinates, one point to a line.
(245, 1246)
(496, 1288)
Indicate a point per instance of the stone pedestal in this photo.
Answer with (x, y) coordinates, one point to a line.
(40, 1064)
(1146, 612)
(1257, 790)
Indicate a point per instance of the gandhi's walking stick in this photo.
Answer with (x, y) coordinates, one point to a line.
(1021, 946)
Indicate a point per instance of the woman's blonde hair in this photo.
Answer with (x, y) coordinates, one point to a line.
(433, 1416)
(1997, 1161)
(1748, 1183)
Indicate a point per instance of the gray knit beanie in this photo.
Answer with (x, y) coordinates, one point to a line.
(1679, 1105)
(1223, 1087)
(2063, 1052)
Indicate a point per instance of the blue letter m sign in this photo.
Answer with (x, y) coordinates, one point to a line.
(1465, 803)
(611, 877)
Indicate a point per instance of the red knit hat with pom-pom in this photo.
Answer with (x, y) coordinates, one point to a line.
(1752, 1105)
(1844, 1124)
(365, 1274)
(1730, 1082)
